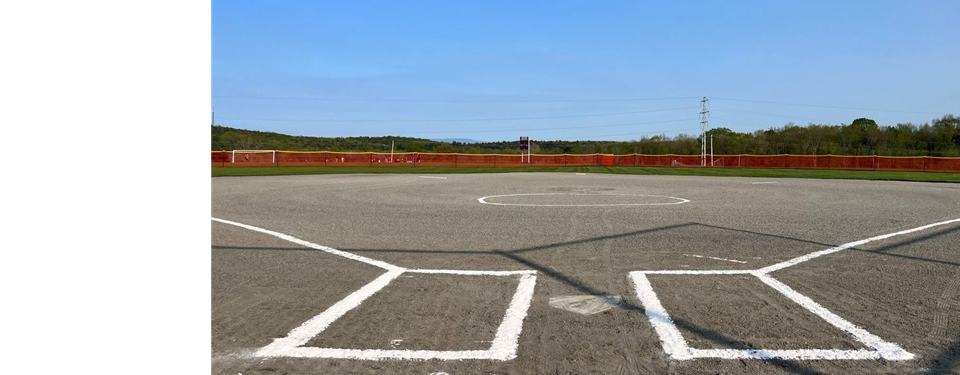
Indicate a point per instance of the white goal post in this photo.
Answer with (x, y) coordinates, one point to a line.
(233, 154)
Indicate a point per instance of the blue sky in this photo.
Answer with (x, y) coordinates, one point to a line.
(379, 68)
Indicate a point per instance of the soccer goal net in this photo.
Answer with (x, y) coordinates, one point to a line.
(253, 156)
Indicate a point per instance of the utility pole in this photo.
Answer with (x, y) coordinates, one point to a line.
(703, 131)
(711, 150)
(213, 116)
(391, 151)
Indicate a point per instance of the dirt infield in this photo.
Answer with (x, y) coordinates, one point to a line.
(338, 274)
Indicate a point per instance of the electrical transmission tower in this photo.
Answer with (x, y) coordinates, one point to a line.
(703, 131)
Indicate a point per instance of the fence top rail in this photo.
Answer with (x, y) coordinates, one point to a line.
(421, 153)
(581, 155)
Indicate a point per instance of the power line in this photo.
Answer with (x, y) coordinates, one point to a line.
(605, 135)
(738, 122)
(540, 129)
(446, 100)
(554, 128)
(826, 106)
(768, 114)
(617, 135)
(466, 120)
(544, 139)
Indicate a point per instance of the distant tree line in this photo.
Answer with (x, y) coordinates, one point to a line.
(940, 137)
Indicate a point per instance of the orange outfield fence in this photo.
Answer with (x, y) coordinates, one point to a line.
(261, 158)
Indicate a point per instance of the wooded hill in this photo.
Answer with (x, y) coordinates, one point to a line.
(940, 137)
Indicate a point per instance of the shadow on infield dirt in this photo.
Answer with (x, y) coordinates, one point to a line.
(514, 256)
(884, 250)
(946, 361)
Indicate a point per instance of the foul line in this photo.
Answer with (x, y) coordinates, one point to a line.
(439, 178)
(674, 344)
(286, 237)
(801, 259)
(503, 348)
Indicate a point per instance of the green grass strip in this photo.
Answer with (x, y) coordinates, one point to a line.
(688, 171)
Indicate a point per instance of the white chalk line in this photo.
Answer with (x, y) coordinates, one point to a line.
(763, 182)
(503, 347)
(676, 346)
(507, 340)
(378, 354)
(312, 327)
(471, 272)
(699, 272)
(801, 259)
(679, 200)
(715, 258)
(289, 238)
(439, 178)
(886, 349)
(794, 354)
(672, 341)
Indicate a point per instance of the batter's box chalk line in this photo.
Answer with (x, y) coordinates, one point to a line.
(677, 200)
(677, 348)
(503, 347)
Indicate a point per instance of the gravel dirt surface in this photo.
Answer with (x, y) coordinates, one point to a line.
(905, 289)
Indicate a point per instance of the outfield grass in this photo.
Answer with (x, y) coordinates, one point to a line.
(688, 171)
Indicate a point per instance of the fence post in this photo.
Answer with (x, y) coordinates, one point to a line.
(455, 160)
(924, 163)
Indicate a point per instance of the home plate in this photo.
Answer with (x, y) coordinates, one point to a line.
(585, 305)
